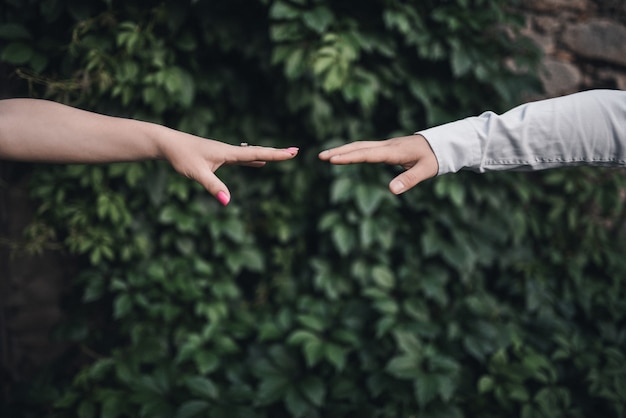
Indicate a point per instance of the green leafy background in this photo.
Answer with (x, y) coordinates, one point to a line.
(315, 293)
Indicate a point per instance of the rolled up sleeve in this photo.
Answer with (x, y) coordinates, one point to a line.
(587, 128)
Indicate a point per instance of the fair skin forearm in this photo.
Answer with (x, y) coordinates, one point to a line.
(44, 131)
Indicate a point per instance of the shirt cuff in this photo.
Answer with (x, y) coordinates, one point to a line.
(455, 145)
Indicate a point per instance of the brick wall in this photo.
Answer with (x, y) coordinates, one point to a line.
(583, 43)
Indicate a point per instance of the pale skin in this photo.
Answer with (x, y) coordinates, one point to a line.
(413, 153)
(44, 131)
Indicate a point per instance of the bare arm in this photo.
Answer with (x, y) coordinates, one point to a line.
(44, 131)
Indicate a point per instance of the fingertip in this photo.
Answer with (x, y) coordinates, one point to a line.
(324, 155)
(223, 197)
(292, 151)
(397, 186)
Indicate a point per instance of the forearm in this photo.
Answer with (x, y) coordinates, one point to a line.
(45, 131)
(581, 129)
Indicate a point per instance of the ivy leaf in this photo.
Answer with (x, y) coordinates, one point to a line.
(336, 355)
(426, 389)
(122, 306)
(193, 408)
(272, 388)
(13, 31)
(341, 189)
(343, 238)
(461, 62)
(312, 322)
(485, 384)
(282, 10)
(206, 361)
(368, 198)
(16, 53)
(383, 276)
(203, 387)
(313, 388)
(318, 19)
(296, 404)
(86, 409)
(313, 352)
(405, 366)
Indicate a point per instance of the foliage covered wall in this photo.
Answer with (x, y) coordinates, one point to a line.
(315, 292)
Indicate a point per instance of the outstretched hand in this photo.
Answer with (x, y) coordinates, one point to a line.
(413, 153)
(200, 158)
(44, 131)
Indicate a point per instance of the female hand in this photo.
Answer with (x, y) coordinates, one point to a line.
(198, 159)
(44, 131)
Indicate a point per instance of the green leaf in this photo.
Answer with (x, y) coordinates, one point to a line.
(16, 53)
(283, 32)
(252, 259)
(368, 231)
(329, 221)
(122, 306)
(313, 388)
(186, 42)
(300, 337)
(461, 62)
(336, 355)
(343, 238)
(383, 277)
(271, 389)
(112, 407)
(323, 63)
(485, 384)
(13, 31)
(202, 386)
(313, 322)
(269, 331)
(94, 290)
(296, 404)
(313, 352)
(518, 393)
(368, 198)
(426, 389)
(192, 408)
(206, 361)
(101, 367)
(446, 386)
(283, 10)
(295, 64)
(318, 19)
(404, 367)
(387, 306)
(86, 409)
(341, 189)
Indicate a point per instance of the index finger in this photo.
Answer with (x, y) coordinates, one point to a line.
(347, 148)
(256, 155)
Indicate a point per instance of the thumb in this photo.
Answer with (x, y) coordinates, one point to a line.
(409, 179)
(214, 186)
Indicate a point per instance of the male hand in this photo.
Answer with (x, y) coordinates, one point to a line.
(412, 152)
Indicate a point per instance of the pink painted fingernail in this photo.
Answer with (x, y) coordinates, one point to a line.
(292, 150)
(223, 198)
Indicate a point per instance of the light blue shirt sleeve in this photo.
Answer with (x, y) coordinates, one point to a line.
(587, 128)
